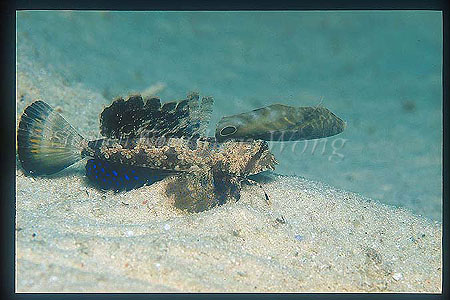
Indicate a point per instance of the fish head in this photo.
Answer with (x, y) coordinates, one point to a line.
(278, 122)
(232, 128)
(252, 125)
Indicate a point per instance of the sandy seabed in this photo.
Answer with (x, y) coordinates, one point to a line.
(312, 238)
(71, 237)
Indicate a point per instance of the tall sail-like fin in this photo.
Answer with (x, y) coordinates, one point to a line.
(137, 117)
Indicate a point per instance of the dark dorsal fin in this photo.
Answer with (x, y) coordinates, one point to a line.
(136, 117)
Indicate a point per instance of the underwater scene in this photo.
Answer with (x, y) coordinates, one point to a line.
(281, 151)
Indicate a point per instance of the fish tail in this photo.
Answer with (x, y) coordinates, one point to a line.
(46, 142)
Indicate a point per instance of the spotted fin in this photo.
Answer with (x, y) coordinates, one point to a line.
(136, 117)
(46, 142)
(118, 177)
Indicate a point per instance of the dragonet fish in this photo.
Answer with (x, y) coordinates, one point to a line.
(145, 141)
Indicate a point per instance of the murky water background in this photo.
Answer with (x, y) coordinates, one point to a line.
(379, 71)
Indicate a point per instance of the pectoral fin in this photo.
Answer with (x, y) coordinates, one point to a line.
(196, 192)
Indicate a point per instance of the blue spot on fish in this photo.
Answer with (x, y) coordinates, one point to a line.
(299, 237)
(135, 177)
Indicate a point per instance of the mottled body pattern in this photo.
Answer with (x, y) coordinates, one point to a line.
(207, 173)
(169, 137)
(145, 141)
(184, 155)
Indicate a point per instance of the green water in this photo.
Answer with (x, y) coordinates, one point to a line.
(379, 71)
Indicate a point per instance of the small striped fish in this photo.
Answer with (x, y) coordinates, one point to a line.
(280, 122)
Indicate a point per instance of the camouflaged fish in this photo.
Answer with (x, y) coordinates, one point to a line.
(145, 142)
(143, 138)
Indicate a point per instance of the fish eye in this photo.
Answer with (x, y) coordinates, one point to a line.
(228, 130)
